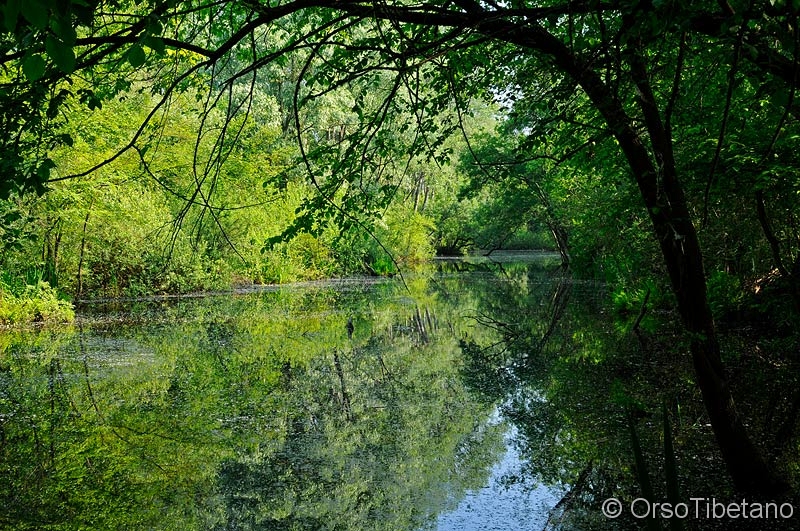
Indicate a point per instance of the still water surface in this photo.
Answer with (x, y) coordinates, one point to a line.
(336, 405)
(501, 504)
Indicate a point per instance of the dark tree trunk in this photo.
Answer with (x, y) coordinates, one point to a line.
(554, 224)
(345, 395)
(747, 467)
(664, 199)
(83, 250)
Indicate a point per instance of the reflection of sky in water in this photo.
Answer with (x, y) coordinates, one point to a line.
(501, 505)
(207, 371)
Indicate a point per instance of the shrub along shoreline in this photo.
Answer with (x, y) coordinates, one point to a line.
(38, 303)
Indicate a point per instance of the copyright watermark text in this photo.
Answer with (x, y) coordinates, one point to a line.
(698, 508)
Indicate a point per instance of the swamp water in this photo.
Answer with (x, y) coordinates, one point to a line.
(470, 398)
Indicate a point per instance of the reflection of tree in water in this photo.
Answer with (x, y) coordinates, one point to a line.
(582, 390)
(231, 413)
(369, 453)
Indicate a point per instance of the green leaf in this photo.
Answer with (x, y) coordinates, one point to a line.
(154, 43)
(35, 12)
(11, 14)
(62, 27)
(61, 54)
(154, 26)
(90, 99)
(66, 139)
(33, 67)
(83, 12)
(43, 171)
(136, 56)
(56, 102)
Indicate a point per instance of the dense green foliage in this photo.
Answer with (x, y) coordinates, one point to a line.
(174, 146)
(32, 303)
(211, 192)
(166, 215)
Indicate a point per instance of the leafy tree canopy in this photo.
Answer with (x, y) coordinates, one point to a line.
(61, 53)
